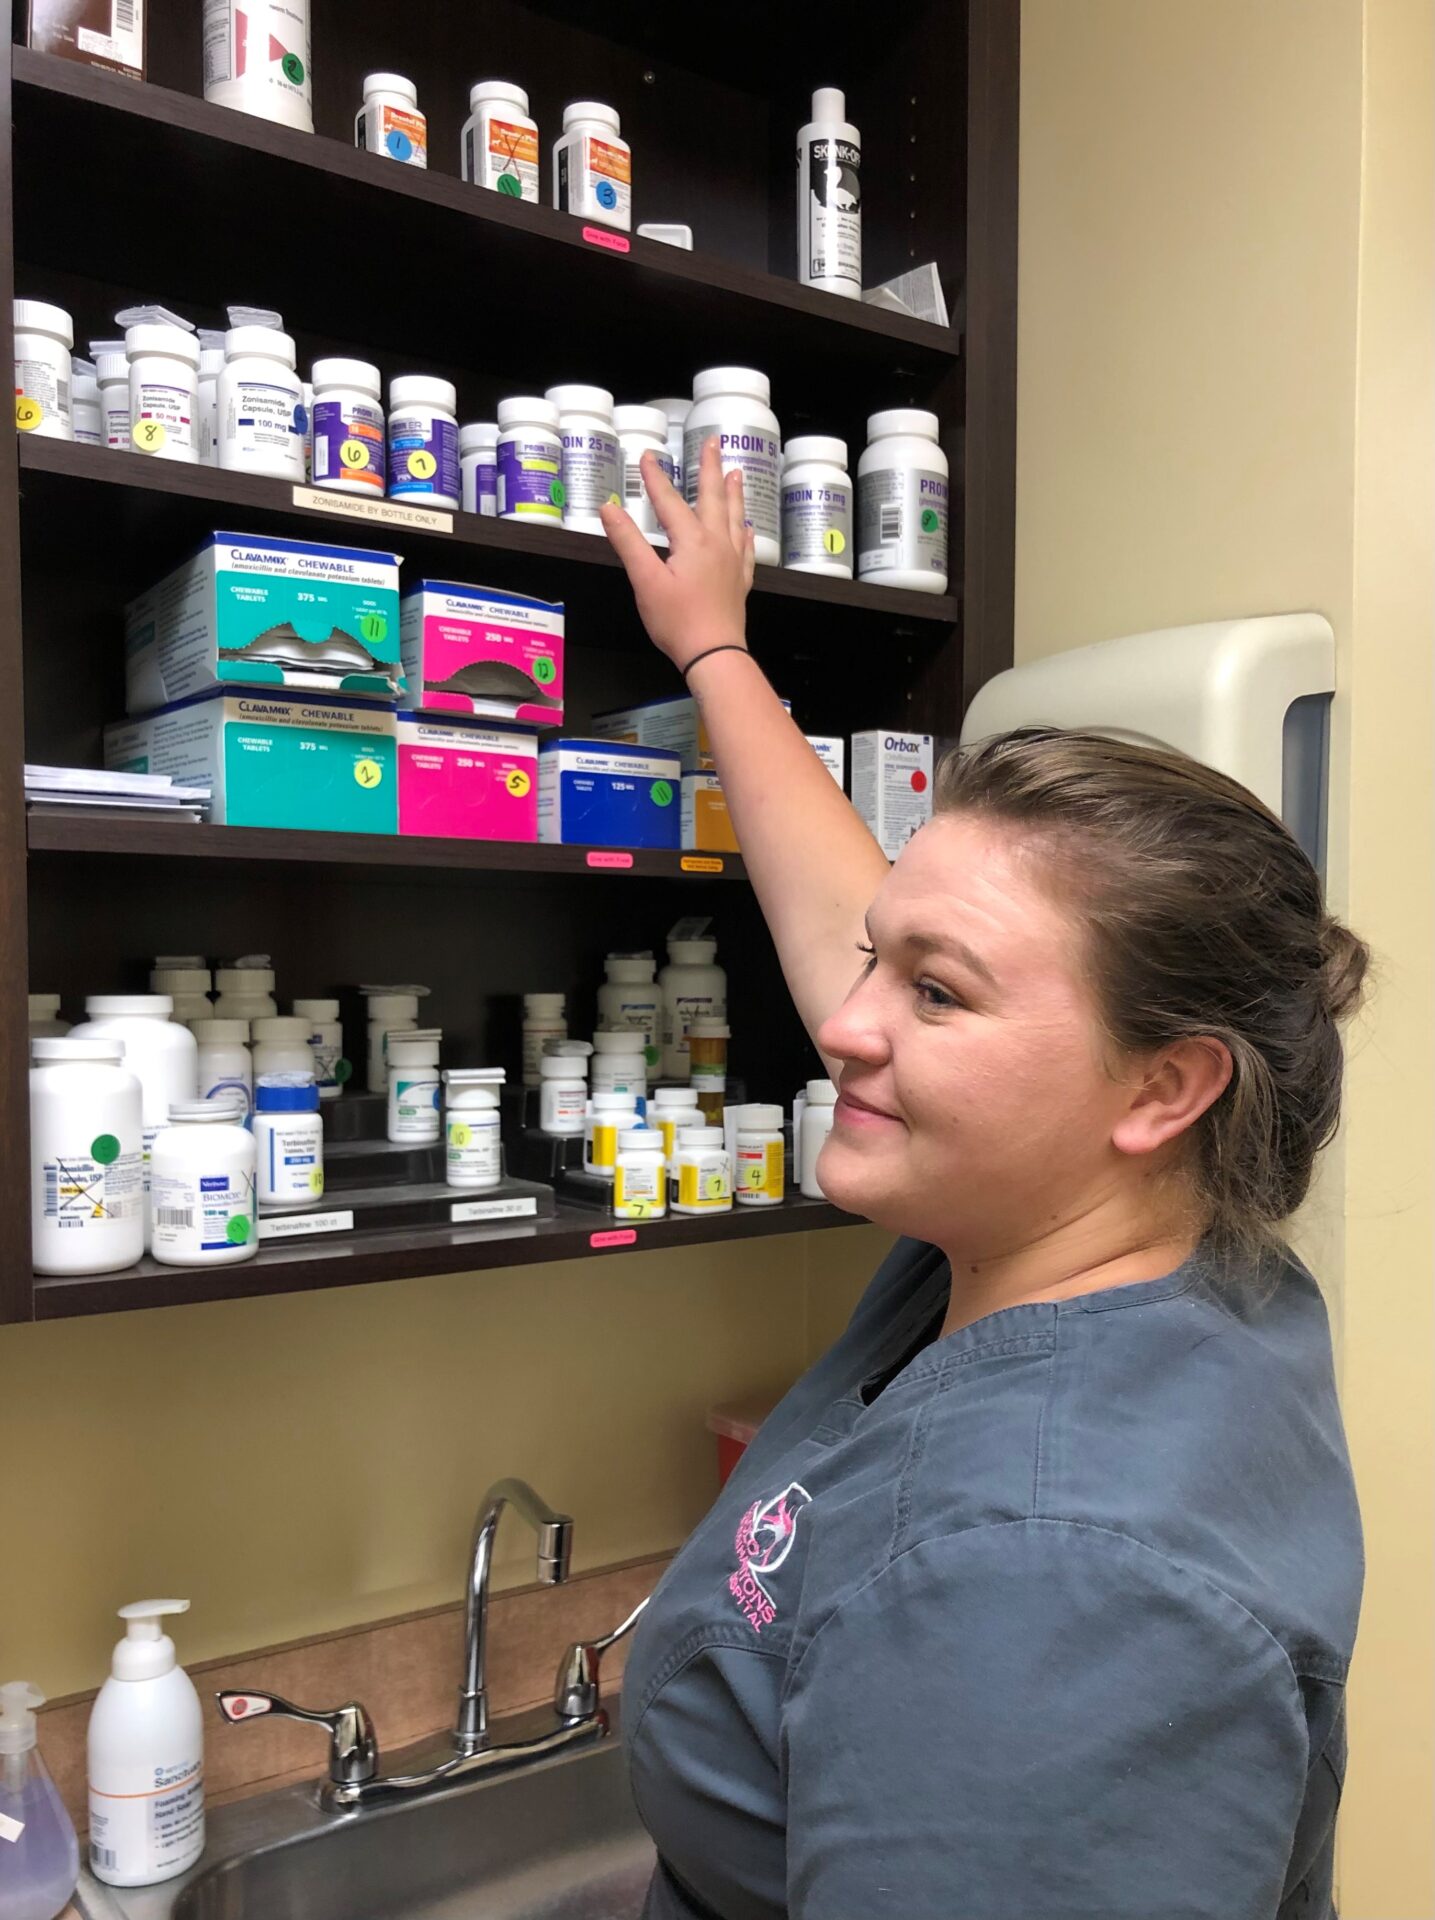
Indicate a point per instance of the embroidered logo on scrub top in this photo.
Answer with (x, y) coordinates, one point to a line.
(764, 1540)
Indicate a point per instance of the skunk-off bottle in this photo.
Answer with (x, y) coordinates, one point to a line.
(41, 1855)
(829, 198)
(146, 1758)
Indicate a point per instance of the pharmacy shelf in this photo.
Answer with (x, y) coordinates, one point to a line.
(347, 1260)
(176, 154)
(78, 830)
(188, 501)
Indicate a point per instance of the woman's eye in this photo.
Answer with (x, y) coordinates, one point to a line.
(935, 997)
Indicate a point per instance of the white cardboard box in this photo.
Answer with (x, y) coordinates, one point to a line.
(892, 785)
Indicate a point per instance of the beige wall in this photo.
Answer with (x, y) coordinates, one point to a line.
(1225, 407)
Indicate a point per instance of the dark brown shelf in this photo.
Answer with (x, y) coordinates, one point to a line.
(78, 830)
(347, 1260)
(53, 471)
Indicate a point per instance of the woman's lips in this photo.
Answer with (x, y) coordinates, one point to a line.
(852, 1111)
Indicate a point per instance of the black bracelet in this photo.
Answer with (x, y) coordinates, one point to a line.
(728, 646)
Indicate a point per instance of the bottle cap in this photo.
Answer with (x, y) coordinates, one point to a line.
(815, 446)
(539, 1003)
(162, 339)
(479, 436)
(525, 410)
(482, 90)
(422, 390)
(175, 979)
(605, 1101)
(618, 1040)
(18, 1699)
(286, 1093)
(316, 1009)
(577, 110)
(699, 1137)
(38, 316)
(744, 380)
(474, 1076)
(280, 1026)
(146, 1651)
(821, 1093)
(390, 83)
(639, 1140)
(60, 1050)
(566, 1049)
(348, 373)
(693, 953)
(563, 1066)
(255, 317)
(641, 420)
(266, 340)
(675, 409)
(575, 399)
(230, 1106)
(914, 420)
(829, 104)
(110, 1006)
(214, 1033)
(676, 1097)
(757, 1118)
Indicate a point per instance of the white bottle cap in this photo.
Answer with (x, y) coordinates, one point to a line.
(474, 1076)
(631, 968)
(618, 1040)
(413, 1049)
(422, 390)
(757, 1118)
(523, 409)
(578, 399)
(146, 1651)
(281, 1026)
(829, 104)
(38, 316)
(348, 373)
(264, 340)
(194, 961)
(745, 380)
(606, 1102)
(157, 338)
(815, 446)
(563, 1066)
(479, 436)
(227, 1106)
(180, 979)
(676, 1097)
(482, 90)
(544, 1003)
(698, 952)
(61, 1049)
(110, 1006)
(641, 420)
(115, 366)
(903, 420)
(218, 1033)
(391, 83)
(254, 983)
(639, 1140)
(571, 1049)
(674, 408)
(698, 1137)
(821, 1093)
(316, 1009)
(18, 1700)
(393, 1006)
(577, 110)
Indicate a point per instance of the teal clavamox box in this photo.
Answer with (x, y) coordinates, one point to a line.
(273, 761)
(289, 615)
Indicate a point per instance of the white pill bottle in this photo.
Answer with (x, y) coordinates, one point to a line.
(202, 1204)
(903, 499)
(473, 1155)
(530, 461)
(499, 144)
(112, 373)
(592, 465)
(478, 467)
(44, 337)
(735, 404)
(389, 122)
(423, 440)
(692, 983)
(256, 58)
(164, 391)
(817, 506)
(675, 410)
(348, 450)
(87, 1206)
(643, 430)
(262, 418)
(544, 1019)
(86, 417)
(593, 166)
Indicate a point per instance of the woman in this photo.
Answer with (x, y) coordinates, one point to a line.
(1035, 1599)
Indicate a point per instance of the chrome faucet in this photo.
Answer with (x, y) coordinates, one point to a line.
(555, 1546)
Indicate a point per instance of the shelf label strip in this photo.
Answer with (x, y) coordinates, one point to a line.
(389, 513)
(614, 1237)
(605, 237)
(290, 1226)
(514, 1209)
(606, 859)
(692, 863)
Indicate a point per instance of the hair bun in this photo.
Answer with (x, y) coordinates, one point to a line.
(1344, 961)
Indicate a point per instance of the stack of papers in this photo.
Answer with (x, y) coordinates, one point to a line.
(114, 792)
(918, 293)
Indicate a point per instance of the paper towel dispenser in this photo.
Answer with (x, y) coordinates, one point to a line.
(1251, 697)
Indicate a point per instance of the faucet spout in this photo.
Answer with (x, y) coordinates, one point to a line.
(555, 1545)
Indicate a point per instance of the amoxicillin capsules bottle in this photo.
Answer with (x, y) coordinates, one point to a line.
(817, 506)
(87, 1203)
(349, 444)
(733, 403)
(903, 495)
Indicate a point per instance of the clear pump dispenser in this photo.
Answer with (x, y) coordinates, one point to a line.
(42, 1857)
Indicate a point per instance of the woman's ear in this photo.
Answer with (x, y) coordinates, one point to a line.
(1177, 1086)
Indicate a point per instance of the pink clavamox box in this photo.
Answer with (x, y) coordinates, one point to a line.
(462, 781)
(472, 650)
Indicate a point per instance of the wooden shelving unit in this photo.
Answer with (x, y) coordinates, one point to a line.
(112, 191)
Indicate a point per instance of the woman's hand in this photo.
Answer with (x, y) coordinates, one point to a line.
(696, 598)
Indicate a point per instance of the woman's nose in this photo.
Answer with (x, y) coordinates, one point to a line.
(857, 1030)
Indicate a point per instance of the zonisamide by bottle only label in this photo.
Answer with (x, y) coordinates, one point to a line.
(902, 520)
(758, 454)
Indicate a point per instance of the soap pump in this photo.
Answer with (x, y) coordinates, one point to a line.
(42, 1856)
(146, 1757)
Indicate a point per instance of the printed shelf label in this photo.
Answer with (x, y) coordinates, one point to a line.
(390, 513)
(292, 1226)
(520, 1208)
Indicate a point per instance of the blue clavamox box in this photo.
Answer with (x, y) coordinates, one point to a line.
(600, 793)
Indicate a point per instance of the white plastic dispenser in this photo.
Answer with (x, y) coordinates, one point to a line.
(41, 1854)
(146, 1757)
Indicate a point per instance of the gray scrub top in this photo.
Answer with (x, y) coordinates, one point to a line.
(1050, 1623)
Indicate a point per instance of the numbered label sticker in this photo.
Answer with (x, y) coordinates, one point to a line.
(422, 465)
(835, 540)
(368, 773)
(148, 435)
(28, 413)
(518, 783)
(545, 671)
(354, 455)
(373, 628)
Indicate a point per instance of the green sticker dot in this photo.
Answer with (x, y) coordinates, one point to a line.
(237, 1232)
(373, 628)
(662, 793)
(293, 69)
(558, 493)
(343, 1071)
(652, 1055)
(544, 671)
(510, 184)
(931, 520)
(106, 1149)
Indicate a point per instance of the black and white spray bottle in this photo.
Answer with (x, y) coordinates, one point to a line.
(829, 198)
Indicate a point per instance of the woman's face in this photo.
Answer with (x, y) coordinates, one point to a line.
(975, 1108)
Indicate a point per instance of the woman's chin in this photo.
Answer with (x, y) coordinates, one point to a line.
(853, 1184)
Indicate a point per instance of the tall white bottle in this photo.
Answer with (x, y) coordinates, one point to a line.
(146, 1758)
(829, 198)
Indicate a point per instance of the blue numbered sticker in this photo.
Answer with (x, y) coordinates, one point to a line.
(606, 194)
(399, 145)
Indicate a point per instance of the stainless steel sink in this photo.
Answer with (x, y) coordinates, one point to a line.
(556, 1841)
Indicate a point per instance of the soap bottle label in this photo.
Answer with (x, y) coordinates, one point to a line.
(148, 1826)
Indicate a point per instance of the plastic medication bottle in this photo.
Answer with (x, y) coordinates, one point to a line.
(817, 506)
(423, 440)
(700, 1177)
(188, 982)
(414, 1087)
(245, 990)
(499, 145)
(389, 122)
(629, 997)
(160, 1053)
(256, 58)
(761, 1157)
(164, 391)
(211, 365)
(902, 502)
(609, 1115)
(326, 1044)
(735, 404)
(348, 428)
(112, 373)
(675, 410)
(473, 1151)
(43, 1016)
(816, 1125)
(281, 1045)
(563, 1077)
(544, 1019)
(642, 430)
(829, 197)
(388, 1013)
(87, 1208)
(262, 418)
(592, 466)
(202, 1205)
(85, 412)
(530, 461)
(226, 1066)
(620, 1063)
(288, 1140)
(146, 1726)
(707, 1060)
(478, 467)
(640, 1182)
(665, 1107)
(692, 983)
(44, 338)
(593, 166)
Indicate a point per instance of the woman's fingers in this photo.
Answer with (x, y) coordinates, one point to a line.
(640, 562)
(712, 498)
(674, 514)
(737, 527)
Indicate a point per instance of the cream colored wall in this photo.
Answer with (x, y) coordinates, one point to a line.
(1225, 407)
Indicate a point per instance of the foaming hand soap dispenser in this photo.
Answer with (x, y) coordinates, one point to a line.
(41, 1855)
(146, 1758)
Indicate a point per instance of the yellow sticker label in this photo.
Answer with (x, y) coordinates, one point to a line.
(353, 454)
(690, 863)
(458, 1134)
(422, 465)
(316, 1180)
(518, 783)
(368, 773)
(835, 540)
(28, 413)
(148, 435)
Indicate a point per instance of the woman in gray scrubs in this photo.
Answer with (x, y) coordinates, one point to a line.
(1035, 1598)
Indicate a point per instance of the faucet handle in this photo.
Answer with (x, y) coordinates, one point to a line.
(353, 1750)
(575, 1693)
